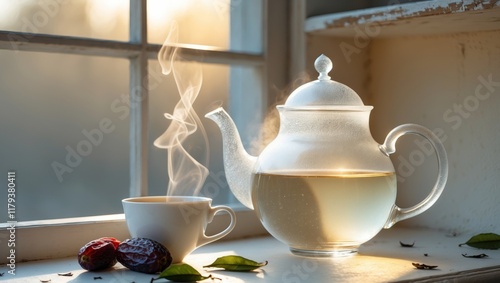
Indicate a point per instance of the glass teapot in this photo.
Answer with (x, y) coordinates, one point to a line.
(323, 186)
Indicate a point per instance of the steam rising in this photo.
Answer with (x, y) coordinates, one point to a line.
(187, 175)
(270, 126)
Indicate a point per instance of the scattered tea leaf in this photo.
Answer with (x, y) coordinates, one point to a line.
(65, 274)
(407, 245)
(489, 241)
(45, 280)
(1, 274)
(97, 278)
(236, 263)
(423, 266)
(181, 272)
(475, 256)
(426, 254)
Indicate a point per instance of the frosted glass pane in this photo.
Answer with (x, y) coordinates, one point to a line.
(84, 18)
(234, 25)
(65, 132)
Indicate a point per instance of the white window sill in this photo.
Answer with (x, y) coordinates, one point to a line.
(380, 260)
(59, 238)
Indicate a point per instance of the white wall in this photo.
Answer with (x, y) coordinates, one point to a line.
(427, 80)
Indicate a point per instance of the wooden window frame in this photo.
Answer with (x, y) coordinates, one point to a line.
(72, 232)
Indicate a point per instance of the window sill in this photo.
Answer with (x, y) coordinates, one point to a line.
(380, 260)
(59, 238)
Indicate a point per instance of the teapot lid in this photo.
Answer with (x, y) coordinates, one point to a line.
(324, 93)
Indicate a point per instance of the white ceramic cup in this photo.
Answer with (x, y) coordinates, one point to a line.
(178, 222)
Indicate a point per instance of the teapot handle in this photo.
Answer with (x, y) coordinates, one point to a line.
(389, 147)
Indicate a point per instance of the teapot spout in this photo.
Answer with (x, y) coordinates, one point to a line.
(238, 164)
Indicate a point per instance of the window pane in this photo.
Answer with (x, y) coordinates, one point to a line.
(164, 95)
(65, 132)
(84, 18)
(234, 25)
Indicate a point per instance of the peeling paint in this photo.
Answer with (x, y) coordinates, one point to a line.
(404, 14)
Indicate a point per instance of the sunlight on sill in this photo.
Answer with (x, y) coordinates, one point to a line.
(380, 260)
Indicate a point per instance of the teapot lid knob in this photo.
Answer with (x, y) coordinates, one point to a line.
(323, 66)
(324, 93)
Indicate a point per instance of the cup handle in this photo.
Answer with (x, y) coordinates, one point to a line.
(389, 147)
(204, 239)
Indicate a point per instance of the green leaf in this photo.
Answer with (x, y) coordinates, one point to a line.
(181, 272)
(489, 241)
(236, 263)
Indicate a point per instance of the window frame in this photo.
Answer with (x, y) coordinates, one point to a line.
(62, 237)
